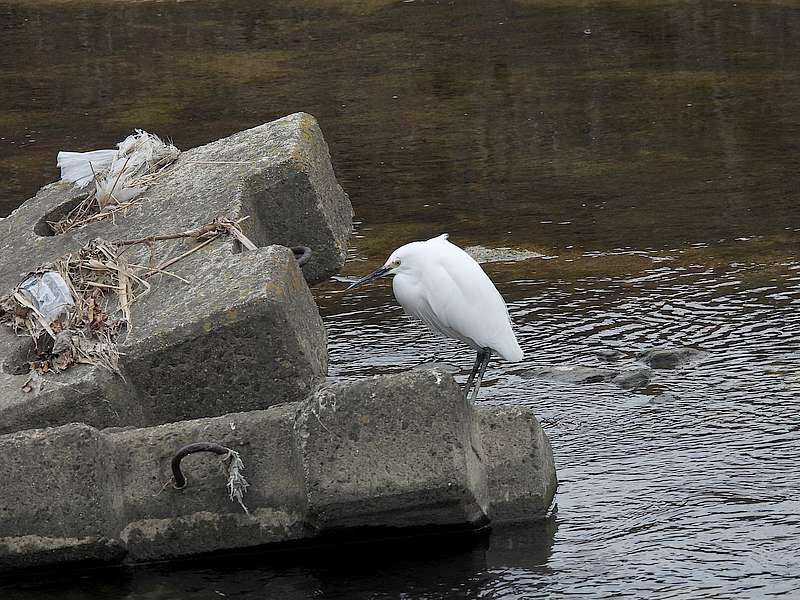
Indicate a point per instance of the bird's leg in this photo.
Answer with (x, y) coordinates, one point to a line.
(487, 354)
(475, 367)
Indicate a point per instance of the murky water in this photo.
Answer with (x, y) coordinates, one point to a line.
(645, 151)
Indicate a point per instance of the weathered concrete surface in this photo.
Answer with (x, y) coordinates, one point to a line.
(150, 518)
(521, 473)
(79, 394)
(279, 174)
(298, 201)
(157, 523)
(56, 482)
(244, 334)
(376, 447)
(252, 339)
(392, 451)
(33, 551)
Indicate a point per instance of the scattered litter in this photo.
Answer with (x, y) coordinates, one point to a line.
(75, 308)
(81, 168)
(118, 176)
(48, 293)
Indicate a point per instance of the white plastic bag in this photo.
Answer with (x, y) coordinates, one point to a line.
(117, 172)
(80, 168)
(48, 292)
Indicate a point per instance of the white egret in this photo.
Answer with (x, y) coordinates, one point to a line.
(442, 286)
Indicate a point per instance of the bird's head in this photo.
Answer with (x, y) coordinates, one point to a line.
(401, 260)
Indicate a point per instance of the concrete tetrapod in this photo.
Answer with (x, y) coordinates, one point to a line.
(388, 452)
(244, 333)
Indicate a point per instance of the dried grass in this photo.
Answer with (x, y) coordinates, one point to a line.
(104, 285)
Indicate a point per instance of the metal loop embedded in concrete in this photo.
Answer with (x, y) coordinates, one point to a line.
(302, 254)
(180, 480)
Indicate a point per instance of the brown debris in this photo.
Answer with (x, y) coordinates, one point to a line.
(104, 285)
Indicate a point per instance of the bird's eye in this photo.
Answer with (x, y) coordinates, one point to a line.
(396, 262)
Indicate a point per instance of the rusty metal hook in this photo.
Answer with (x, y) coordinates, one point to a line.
(177, 475)
(301, 254)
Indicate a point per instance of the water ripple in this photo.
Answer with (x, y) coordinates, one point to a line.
(678, 495)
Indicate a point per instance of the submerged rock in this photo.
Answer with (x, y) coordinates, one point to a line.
(482, 254)
(670, 358)
(575, 374)
(664, 397)
(608, 354)
(633, 378)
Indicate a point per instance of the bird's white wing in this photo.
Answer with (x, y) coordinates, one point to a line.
(449, 292)
(428, 315)
(464, 300)
(415, 301)
(453, 313)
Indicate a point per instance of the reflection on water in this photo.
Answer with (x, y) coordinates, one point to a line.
(474, 568)
(644, 154)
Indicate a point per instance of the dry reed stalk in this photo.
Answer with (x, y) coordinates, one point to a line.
(22, 300)
(172, 261)
(76, 222)
(116, 181)
(103, 285)
(161, 272)
(237, 233)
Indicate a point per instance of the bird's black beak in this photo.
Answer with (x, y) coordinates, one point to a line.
(374, 275)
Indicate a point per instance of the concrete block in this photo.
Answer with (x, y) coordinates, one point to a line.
(74, 490)
(394, 451)
(264, 438)
(521, 472)
(299, 201)
(279, 174)
(56, 483)
(244, 334)
(36, 552)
